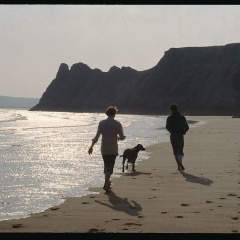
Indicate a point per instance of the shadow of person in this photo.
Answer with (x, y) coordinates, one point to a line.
(122, 204)
(195, 179)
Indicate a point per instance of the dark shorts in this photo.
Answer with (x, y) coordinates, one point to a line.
(177, 142)
(109, 161)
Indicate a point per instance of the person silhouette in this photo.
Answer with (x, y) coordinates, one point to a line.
(177, 126)
(112, 132)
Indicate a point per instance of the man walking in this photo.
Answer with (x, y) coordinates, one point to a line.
(112, 132)
(177, 126)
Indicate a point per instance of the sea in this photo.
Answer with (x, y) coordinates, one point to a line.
(44, 156)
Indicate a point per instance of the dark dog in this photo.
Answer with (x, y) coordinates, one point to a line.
(131, 155)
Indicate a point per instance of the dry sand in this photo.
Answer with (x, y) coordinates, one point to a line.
(205, 198)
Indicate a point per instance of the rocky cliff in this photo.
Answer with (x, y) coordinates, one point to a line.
(202, 80)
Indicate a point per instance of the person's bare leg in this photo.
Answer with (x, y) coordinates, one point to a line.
(107, 182)
(178, 163)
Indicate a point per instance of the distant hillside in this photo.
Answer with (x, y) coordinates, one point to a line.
(202, 80)
(17, 102)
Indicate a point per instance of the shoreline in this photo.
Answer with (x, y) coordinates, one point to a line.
(157, 198)
(115, 175)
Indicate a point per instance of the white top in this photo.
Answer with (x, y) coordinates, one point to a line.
(110, 129)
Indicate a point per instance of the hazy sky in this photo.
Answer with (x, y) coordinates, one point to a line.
(36, 39)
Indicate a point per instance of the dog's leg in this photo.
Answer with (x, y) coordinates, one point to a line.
(127, 165)
(133, 166)
(123, 162)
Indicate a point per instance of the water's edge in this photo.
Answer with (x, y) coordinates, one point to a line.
(94, 189)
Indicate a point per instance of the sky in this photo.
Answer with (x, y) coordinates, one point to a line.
(36, 39)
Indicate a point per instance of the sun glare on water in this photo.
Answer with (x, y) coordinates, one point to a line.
(44, 156)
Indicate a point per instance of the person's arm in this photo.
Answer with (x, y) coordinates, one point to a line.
(168, 126)
(94, 140)
(186, 128)
(121, 135)
(90, 150)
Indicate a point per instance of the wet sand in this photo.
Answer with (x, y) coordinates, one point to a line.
(157, 198)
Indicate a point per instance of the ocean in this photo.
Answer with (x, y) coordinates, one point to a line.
(44, 156)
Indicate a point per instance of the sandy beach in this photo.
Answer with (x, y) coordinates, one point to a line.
(157, 198)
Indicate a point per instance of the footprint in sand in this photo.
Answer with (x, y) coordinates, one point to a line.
(196, 212)
(219, 206)
(209, 202)
(235, 231)
(131, 224)
(94, 230)
(54, 208)
(232, 194)
(152, 197)
(92, 197)
(140, 216)
(178, 217)
(163, 212)
(154, 189)
(185, 204)
(235, 218)
(85, 202)
(222, 198)
(115, 219)
(17, 225)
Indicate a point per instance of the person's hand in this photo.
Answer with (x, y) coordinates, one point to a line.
(90, 150)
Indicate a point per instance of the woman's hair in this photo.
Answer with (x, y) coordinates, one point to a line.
(111, 111)
(174, 107)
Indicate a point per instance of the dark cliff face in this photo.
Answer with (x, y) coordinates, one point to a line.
(202, 80)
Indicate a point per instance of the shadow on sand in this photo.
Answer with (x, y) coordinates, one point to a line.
(122, 204)
(195, 179)
(135, 173)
